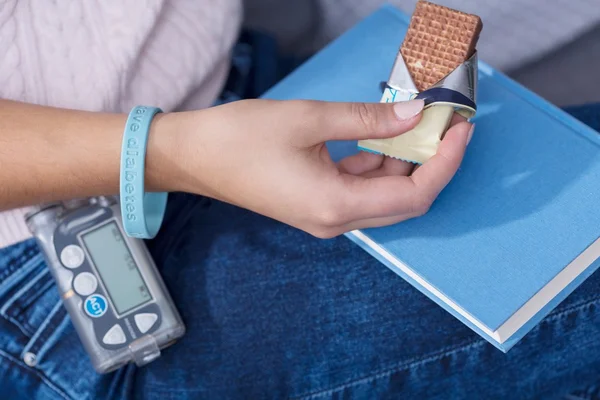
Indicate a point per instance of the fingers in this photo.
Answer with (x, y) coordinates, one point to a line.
(366, 202)
(457, 118)
(393, 195)
(371, 165)
(360, 163)
(383, 200)
(470, 135)
(374, 165)
(376, 222)
(356, 121)
(378, 197)
(431, 177)
(390, 166)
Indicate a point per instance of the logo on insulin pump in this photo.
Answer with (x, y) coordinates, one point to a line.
(95, 306)
(132, 151)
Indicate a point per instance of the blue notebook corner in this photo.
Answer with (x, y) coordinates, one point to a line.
(517, 229)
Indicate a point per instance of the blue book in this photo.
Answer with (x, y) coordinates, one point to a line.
(517, 229)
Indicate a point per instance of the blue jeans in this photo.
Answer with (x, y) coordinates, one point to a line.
(272, 312)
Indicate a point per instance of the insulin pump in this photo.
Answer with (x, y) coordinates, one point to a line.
(108, 282)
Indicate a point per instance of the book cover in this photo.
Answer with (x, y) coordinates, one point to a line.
(517, 229)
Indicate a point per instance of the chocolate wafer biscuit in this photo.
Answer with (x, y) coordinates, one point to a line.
(438, 40)
(439, 45)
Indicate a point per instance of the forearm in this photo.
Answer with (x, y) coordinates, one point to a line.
(49, 154)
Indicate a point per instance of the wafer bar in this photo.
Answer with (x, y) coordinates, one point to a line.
(438, 40)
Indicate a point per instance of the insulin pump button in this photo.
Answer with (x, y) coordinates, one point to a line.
(95, 306)
(115, 335)
(85, 283)
(72, 256)
(145, 321)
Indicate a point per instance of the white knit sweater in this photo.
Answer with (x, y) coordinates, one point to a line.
(110, 55)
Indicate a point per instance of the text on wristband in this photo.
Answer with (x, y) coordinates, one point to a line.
(132, 151)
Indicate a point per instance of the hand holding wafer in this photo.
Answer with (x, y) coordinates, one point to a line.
(271, 157)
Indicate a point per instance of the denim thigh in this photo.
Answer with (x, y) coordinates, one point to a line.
(275, 313)
(272, 312)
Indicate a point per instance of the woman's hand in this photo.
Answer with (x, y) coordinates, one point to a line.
(270, 157)
(267, 156)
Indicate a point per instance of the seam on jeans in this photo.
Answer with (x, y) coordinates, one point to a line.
(26, 268)
(37, 291)
(24, 329)
(23, 269)
(17, 262)
(574, 307)
(45, 329)
(39, 374)
(51, 338)
(19, 294)
(20, 319)
(435, 356)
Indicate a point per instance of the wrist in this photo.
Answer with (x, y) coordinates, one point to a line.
(179, 154)
(162, 154)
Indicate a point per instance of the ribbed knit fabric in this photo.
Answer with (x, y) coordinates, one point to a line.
(111, 55)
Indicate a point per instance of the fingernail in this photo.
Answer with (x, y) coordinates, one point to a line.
(407, 109)
(470, 135)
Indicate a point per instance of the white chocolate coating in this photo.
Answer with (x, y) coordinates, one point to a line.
(419, 144)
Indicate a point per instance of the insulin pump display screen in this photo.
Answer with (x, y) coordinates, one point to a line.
(116, 267)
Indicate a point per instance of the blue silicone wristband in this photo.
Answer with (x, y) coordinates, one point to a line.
(142, 212)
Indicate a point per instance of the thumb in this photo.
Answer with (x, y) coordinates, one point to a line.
(356, 121)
